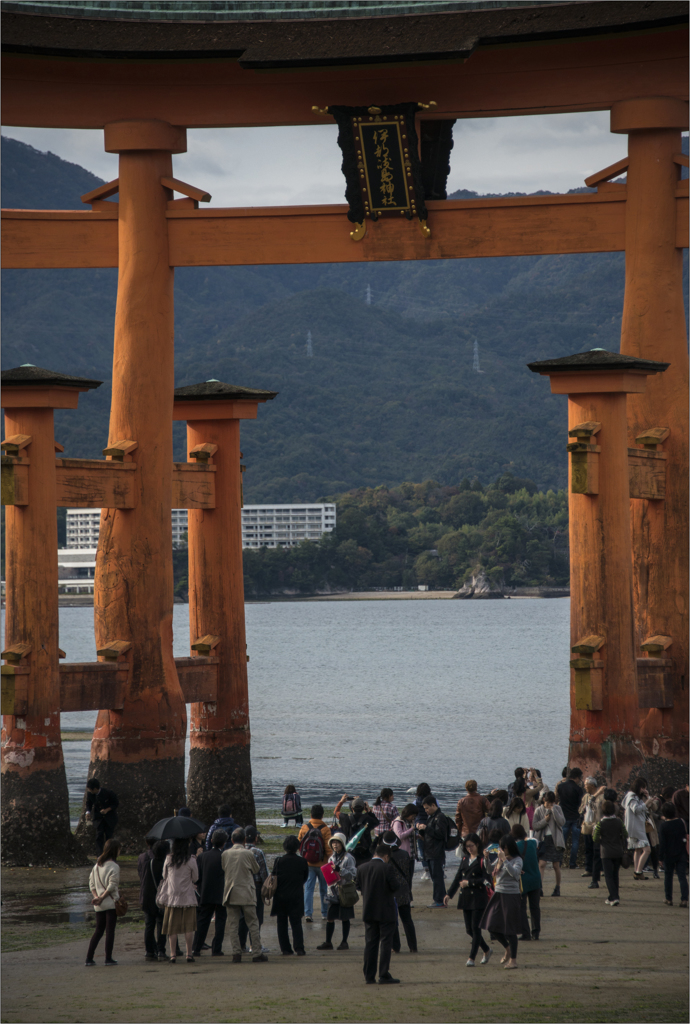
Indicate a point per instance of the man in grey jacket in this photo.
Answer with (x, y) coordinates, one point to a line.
(239, 896)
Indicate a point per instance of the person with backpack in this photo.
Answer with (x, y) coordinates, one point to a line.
(350, 824)
(225, 821)
(436, 834)
(314, 839)
(343, 910)
(292, 807)
(472, 879)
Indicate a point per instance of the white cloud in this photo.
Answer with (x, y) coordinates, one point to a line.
(286, 166)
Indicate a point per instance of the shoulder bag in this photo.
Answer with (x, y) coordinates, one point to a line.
(268, 889)
(347, 893)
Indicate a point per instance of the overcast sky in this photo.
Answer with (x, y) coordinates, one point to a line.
(301, 165)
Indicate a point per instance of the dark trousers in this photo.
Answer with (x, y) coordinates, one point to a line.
(405, 915)
(439, 886)
(105, 922)
(507, 941)
(531, 897)
(472, 919)
(105, 829)
(297, 818)
(589, 854)
(596, 863)
(244, 931)
(297, 933)
(654, 858)
(203, 922)
(154, 940)
(572, 829)
(680, 866)
(612, 866)
(378, 936)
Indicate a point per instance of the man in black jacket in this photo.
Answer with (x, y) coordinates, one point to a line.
(435, 836)
(210, 886)
(101, 806)
(570, 795)
(378, 882)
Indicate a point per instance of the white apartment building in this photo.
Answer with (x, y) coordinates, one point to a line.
(284, 526)
(262, 526)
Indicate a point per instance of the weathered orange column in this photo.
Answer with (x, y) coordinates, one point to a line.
(604, 723)
(219, 760)
(35, 805)
(654, 328)
(139, 751)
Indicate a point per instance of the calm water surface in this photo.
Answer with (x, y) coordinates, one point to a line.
(355, 695)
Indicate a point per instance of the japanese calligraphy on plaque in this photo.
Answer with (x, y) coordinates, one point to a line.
(381, 163)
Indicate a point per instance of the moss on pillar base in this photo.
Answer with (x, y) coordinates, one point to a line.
(35, 821)
(221, 776)
(147, 791)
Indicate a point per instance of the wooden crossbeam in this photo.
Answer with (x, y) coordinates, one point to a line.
(532, 225)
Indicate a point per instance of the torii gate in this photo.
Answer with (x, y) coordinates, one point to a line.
(566, 58)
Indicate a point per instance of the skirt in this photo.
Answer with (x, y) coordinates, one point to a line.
(179, 920)
(548, 851)
(338, 913)
(638, 844)
(503, 914)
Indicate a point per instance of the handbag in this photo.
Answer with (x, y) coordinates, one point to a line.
(347, 893)
(648, 826)
(268, 889)
(626, 859)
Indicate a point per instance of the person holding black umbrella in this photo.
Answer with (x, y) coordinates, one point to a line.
(180, 875)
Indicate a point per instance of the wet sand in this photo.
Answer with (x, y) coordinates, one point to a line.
(592, 964)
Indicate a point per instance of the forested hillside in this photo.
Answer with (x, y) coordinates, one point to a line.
(389, 393)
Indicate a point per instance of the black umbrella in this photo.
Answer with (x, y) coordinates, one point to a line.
(176, 828)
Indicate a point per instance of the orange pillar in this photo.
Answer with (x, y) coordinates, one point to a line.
(654, 328)
(219, 760)
(35, 805)
(604, 723)
(139, 751)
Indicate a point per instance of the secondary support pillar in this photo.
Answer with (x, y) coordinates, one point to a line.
(35, 804)
(139, 751)
(219, 759)
(604, 722)
(654, 328)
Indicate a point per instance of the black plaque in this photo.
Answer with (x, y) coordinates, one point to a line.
(384, 165)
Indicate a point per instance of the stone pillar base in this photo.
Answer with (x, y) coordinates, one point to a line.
(221, 776)
(147, 791)
(618, 761)
(35, 821)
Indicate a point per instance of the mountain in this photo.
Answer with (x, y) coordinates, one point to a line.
(389, 393)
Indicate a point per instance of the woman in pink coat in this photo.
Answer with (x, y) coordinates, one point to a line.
(403, 826)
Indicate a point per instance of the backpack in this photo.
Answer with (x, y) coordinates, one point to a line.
(290, 803)
(452, 833)
(312, 847)
(364, 844)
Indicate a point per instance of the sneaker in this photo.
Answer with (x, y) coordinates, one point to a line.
(586, 874)
(284, 825)
(434, 906)
(615, 903)
(424, 877)
(111, 963)
(470, 963)
(90, 963)
(265, 949)
(487, 956)
(593, 885)
(669, 903)
(684, 904)
(607, 903)
(309, 919)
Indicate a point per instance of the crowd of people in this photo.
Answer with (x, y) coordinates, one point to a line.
(504, 843)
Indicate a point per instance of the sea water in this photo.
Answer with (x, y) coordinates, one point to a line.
(351, 696)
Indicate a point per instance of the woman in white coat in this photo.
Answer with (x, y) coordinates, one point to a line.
(104, 883)
(636, 814)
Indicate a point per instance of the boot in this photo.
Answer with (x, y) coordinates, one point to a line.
(556, 891)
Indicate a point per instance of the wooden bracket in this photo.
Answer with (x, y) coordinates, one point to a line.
(114, 650)
(205, 644)
(681, 159)
(653, 437)
(588, 673)
(191, 191)
(203, 452)
(16, 652)
(61, 653)
(13, 445)
(602, 177)
(95, 198)
(584, 431)
(119, 449)
(588, 645)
